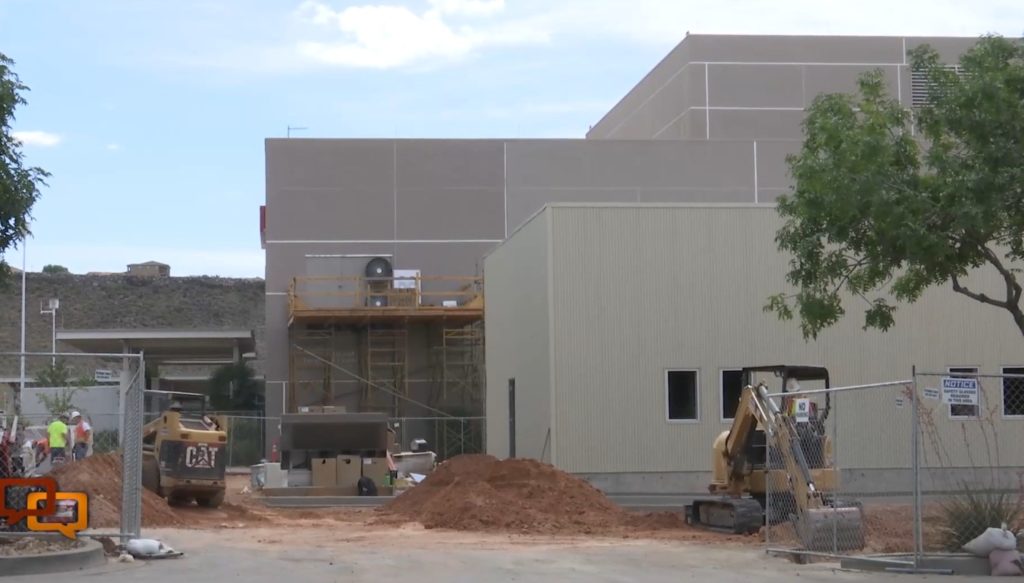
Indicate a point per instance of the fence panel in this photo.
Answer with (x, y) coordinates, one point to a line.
(446, 436)
(840, 471)
(99, 392)
(971, 428)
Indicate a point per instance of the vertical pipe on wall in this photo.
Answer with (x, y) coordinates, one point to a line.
(511, 418)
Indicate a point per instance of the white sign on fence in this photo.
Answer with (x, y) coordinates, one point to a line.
(957, 391)
(803, 410)
(930, 393)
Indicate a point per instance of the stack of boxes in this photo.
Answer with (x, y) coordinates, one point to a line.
(342, 473)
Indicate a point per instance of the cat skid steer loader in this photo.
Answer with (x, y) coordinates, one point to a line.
(183, 453)
(789, 477)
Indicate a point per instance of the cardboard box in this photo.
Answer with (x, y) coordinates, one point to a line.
(325, 472)
(349, 473)
(376, 468)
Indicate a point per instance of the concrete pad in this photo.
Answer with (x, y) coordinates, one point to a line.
(88, 556)
(958, 564)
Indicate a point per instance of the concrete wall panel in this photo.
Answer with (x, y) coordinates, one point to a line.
(756, 124)
(755, 85)
(451, 213)
(518, 344)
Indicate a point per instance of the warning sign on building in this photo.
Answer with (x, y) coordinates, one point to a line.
(957, 391)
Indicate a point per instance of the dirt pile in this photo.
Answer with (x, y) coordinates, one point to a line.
(481, 493)
(99, 476)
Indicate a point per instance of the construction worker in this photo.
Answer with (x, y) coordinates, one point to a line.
(57, 433)
(81, 435)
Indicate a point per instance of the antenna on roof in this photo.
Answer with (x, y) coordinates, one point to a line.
(290, 128)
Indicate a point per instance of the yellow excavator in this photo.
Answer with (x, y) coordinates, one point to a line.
(788, 478)
(183, 453)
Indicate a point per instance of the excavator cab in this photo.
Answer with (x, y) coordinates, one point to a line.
(788, 478)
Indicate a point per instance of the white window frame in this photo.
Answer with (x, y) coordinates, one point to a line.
(696, 393)
(1002, 391)
(721, 392)
(949, 408)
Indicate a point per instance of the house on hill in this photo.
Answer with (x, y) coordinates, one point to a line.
(149, 269)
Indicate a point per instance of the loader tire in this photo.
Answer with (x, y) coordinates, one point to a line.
(211, 501)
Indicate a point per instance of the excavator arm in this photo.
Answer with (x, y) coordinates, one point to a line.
(820, 525)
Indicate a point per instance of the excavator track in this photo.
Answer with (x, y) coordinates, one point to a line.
(730, 515)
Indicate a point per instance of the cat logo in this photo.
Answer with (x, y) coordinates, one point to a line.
(200, 456)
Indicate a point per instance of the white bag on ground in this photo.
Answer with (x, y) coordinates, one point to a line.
(1005, 563)
(993, 539)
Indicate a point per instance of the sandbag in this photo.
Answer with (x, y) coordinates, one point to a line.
(1005, 563)
(993, 539)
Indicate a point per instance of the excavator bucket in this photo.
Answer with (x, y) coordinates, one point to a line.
(832, 529)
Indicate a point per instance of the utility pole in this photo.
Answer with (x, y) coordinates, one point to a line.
(21, 386)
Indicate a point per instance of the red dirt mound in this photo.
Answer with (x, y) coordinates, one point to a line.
(481, 493)
(99, 476)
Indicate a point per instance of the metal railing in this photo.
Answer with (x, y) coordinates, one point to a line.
(385, 293)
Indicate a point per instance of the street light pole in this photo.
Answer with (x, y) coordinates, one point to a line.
(52, 311)
(21, 387)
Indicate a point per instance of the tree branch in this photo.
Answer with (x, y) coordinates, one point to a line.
(1013, 289)
(979, 297)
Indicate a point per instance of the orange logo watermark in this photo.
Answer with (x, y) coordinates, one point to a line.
(49, 510)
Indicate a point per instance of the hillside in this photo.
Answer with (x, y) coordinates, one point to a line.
(120, 301)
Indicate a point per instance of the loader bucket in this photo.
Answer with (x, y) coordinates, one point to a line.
(832, 529)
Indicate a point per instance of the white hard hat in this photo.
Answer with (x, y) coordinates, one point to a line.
(75, 414)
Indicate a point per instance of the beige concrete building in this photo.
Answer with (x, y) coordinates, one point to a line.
(712, 123)
(622, 326)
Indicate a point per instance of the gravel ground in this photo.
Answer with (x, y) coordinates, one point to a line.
(10, 547)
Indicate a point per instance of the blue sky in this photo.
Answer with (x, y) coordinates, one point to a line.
(151, 114)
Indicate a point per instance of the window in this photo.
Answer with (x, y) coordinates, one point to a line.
(730, 387)
(681, 389)
(964, 411)
(1013, 392)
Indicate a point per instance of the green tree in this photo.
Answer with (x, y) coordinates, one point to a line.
(234, 387)
(889, 202)
(19, 185)
(55, 269)
(59, 375)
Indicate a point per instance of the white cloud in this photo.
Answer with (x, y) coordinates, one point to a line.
(390, 36)
(113, 147)
(468, 7)
(667, 21)
(37, 138)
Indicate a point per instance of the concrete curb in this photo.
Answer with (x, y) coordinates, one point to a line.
(89, 555)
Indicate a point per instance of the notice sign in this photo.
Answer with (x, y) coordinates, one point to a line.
(959, 391)
(803, 410)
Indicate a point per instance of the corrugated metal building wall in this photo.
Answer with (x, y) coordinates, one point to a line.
(635, 290)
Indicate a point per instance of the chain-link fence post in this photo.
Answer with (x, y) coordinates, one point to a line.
(916, 462)
(131, 493)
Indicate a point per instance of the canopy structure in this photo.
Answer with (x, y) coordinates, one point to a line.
(167, 346)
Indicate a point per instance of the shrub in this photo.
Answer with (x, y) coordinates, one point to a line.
(967, 514)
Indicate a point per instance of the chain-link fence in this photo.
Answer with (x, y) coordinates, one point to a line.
(445, 436)
(971, 460)
(839, 463)
(247, 437)
(897, 469)
(76, 418)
